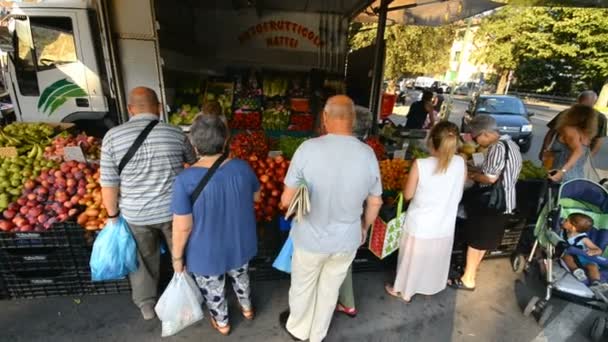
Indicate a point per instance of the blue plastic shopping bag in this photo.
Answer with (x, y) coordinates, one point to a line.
(114, 253)
(283, 261)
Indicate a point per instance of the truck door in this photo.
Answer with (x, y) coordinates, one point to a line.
(54, 70)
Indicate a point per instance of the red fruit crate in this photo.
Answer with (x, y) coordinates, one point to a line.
(67, 234)
(42, 284)
(39, 259)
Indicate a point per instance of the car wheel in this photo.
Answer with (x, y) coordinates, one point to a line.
(525, 147)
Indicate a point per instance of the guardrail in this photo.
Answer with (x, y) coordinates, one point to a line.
(544, 97)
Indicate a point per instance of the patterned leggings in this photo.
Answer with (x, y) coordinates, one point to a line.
(214, 290)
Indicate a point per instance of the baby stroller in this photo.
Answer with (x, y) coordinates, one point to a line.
(576, 196)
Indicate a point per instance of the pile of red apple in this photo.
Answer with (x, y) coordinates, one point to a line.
(54, 196)
(91, 146)
(246, 120)
(271, 173)
(248, 144)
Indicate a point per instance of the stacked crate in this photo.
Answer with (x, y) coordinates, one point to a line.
(50, 263)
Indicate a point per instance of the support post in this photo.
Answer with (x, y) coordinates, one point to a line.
(378, 67)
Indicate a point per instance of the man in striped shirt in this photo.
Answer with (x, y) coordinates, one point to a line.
(141, 193)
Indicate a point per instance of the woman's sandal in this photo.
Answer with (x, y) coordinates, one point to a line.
(391, 292)
(248, 314)
(222, 330)
(350, 312)
(457, 284)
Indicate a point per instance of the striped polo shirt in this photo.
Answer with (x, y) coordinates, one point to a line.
(146, 181)
(496, 165)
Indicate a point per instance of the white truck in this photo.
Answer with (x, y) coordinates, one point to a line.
(75, 60)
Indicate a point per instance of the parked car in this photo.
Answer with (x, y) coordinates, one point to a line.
(512, 117)
(468, 89)
(422, 82)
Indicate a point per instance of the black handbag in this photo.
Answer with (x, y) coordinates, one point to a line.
(489, 198)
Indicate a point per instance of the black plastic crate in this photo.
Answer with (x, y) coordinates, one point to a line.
(90, 287)
(530, 197)
(260, 268)
(42, 284)
(67, 234)
(14, 260)
(3, 291)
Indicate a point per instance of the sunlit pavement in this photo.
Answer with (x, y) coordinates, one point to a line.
(491, 313)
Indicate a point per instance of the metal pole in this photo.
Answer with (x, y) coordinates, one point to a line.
(378, 68)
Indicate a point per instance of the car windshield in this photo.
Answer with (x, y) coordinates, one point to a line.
(500, 105)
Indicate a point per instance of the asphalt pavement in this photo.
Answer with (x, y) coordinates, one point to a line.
(543, 113)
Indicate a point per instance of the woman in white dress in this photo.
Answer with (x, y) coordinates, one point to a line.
(434, 186)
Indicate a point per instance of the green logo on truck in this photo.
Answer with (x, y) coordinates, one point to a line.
(55, 95)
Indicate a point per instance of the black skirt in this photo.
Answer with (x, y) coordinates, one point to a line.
(485, 231)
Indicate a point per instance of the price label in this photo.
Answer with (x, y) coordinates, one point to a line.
(8, 151)
(478, 159)
(273, 154)
(399, 154)
(74, 153)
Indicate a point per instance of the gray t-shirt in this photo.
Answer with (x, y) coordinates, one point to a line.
(341, 172)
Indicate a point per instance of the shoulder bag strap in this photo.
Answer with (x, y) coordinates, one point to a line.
(136, 145)
(201, 185)
(506, 145)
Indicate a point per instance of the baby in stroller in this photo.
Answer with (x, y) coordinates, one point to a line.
(575, 229)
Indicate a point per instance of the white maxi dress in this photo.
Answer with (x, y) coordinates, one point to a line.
(428, 231)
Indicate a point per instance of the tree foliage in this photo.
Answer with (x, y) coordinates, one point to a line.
(410, 50)
(550, 49)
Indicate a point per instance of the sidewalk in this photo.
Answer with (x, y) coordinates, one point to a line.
(491, 313)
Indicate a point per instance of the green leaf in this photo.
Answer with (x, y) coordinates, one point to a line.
(59, 93)
(50, 89)
(77, 92)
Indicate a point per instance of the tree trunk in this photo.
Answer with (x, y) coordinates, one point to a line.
(502, 83)
(602, 100)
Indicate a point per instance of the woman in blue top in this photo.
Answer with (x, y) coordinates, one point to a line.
(215, 236)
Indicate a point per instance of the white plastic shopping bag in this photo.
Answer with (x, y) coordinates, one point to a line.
(180, 305)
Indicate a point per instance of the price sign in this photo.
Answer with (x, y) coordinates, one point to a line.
(8, 151)
(273, 154)
(399, 154)
(74, 153)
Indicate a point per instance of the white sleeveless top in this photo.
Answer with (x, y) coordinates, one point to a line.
(432, 212)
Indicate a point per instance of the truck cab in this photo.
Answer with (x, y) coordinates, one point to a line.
(53, 73)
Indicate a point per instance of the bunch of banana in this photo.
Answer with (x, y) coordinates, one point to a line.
(37, 152)
(25, 136)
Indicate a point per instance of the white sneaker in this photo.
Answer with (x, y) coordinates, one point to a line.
(580, 275)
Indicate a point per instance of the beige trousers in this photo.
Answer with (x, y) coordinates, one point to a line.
(315, 283)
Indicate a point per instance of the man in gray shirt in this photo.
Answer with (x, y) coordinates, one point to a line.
(341, 174)
(143, 189)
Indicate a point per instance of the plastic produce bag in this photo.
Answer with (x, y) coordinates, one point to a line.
(283, 260)
(114, 253)
(180, 304)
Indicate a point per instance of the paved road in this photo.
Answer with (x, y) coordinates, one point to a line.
(543, 113)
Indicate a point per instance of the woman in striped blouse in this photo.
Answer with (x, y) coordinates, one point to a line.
(484, 228)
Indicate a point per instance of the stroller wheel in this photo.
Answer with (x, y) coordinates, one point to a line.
(598, 328)
(518, 262)
(545, 314)
(531, 307)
